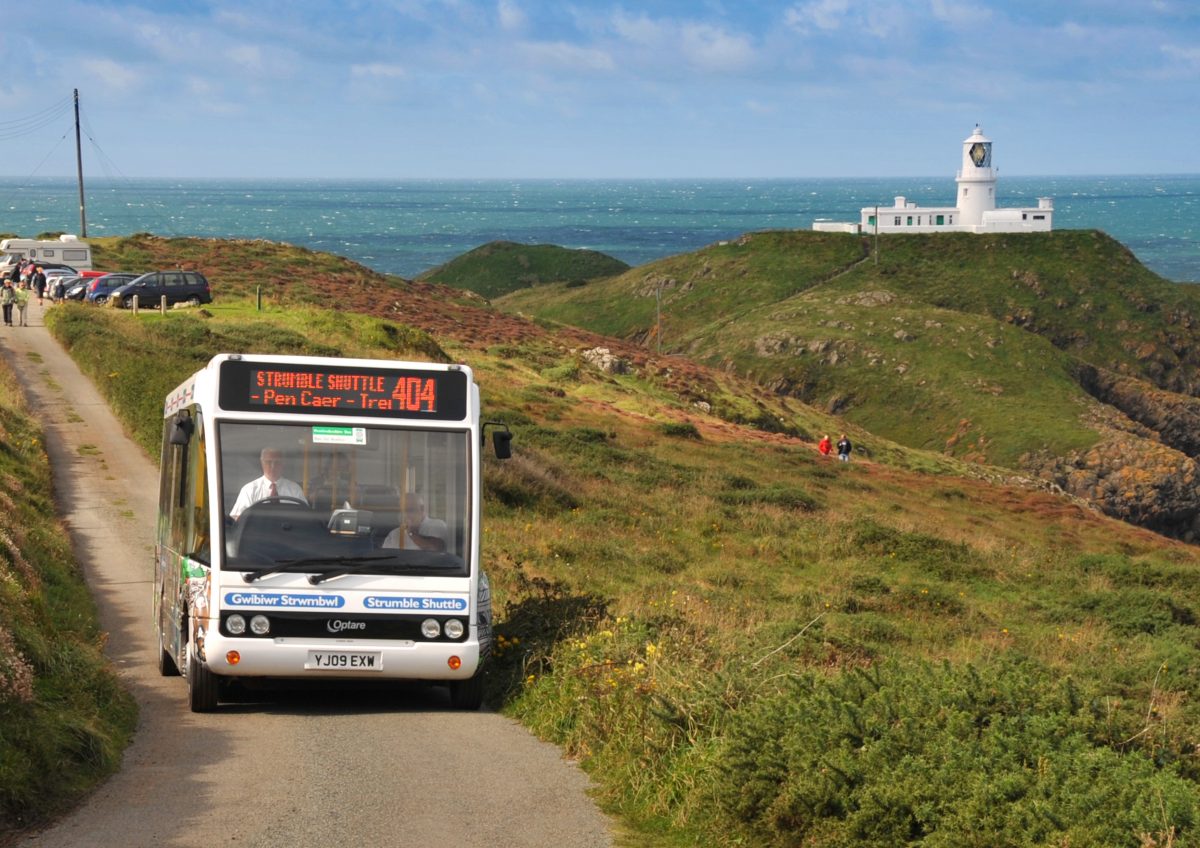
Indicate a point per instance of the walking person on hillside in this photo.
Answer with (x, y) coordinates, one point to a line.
(8, 296)
(825, 446)
(844, 447)
(22, 297)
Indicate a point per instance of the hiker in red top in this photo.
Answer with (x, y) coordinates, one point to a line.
(825, 446)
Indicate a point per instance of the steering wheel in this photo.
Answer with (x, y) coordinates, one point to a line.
(280, 499)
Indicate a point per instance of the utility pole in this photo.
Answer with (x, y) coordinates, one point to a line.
(79, 166)
(876, 233)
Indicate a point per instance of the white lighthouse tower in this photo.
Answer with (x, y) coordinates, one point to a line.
(976, 180)
(976, 211)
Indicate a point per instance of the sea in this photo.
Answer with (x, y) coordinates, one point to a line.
(407, 226)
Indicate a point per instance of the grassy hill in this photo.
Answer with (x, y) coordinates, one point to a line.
(743, 642)
(64, 720)
(498, 267)
(970, 345)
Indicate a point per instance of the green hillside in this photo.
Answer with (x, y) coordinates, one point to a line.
(500, 267)
(976, 346)
(743, 642)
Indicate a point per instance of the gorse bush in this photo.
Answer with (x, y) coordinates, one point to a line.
(1001, 754)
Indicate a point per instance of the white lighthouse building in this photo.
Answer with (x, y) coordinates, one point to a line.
(975, 211)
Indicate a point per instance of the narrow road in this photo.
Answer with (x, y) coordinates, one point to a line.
(369, 768)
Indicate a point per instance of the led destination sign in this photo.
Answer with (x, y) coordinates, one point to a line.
(339, 390)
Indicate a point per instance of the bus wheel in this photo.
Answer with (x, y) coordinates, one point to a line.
(166, 665)
(202, 685)
(467, 694)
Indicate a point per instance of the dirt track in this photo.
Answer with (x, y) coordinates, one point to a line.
(377, 768)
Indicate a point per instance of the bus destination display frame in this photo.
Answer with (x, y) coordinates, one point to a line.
(391, 393)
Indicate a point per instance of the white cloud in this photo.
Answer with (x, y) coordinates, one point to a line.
(640, 30)
(822, 14)
(714, 49)
(958, 13)
(110, 74)
(512, 17)
(560, 54)
(378, 70)
(1183, 55)
(246, 56)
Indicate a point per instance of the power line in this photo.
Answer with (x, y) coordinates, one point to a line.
(30, 124)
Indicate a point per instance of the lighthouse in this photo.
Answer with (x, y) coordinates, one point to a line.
(975, 212)
(976, 180)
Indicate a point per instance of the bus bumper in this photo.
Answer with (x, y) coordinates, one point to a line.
(366, 660)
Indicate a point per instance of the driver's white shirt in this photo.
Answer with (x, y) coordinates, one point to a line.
(260, 488)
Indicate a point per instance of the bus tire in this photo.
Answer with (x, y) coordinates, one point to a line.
(166, 665)
(467, 694)
(203, 685)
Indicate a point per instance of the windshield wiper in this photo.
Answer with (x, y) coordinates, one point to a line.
(350, 565)
(306, 564)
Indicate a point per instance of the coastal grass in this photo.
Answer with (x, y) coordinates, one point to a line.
(64, 718)
(958, 343)
(745, 643)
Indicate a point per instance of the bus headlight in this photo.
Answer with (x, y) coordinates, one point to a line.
(430, 628)
(454, 629)
(260, 625)
(236, 625)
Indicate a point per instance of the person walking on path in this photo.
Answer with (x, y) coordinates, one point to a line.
(844, 447)
(21, 295)
(8, 296)
(38, 282)
(825, 446)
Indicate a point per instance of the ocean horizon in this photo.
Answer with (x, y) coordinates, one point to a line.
(408, 226)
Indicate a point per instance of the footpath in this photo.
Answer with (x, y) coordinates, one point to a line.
(360, 769)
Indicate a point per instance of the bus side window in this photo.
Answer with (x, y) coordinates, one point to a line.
(197, 541)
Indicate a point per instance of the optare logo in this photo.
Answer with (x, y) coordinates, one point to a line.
(337, 625)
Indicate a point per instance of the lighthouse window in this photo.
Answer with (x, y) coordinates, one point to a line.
(941, 219)
(966, 191)
(871, 221)
(897, 220)
(1039, 217)
(908, 223)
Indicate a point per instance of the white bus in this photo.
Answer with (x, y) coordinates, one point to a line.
(320, 519)
(65, 250)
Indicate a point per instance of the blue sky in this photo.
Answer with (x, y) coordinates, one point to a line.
(598, 89)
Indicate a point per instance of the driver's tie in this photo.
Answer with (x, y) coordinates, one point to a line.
(274, 490)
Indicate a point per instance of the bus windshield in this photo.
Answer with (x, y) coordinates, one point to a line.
(333, 500)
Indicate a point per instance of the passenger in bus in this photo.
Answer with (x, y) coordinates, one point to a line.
(272, 484)
(419, 532)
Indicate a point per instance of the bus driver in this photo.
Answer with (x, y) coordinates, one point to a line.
(419, 531)
(272, 484)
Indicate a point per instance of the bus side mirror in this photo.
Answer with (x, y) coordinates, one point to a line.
(181, 429)
(501, 439)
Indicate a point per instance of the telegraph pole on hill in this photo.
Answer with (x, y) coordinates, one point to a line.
(79, 166)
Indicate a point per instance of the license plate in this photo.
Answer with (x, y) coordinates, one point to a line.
(344, 660)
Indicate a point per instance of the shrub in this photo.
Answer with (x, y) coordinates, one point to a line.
(679, 430)
(1002, 754)
(788, 497)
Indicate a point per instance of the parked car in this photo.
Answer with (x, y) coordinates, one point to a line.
(74, 288)
(99, 288)
(177, 286)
